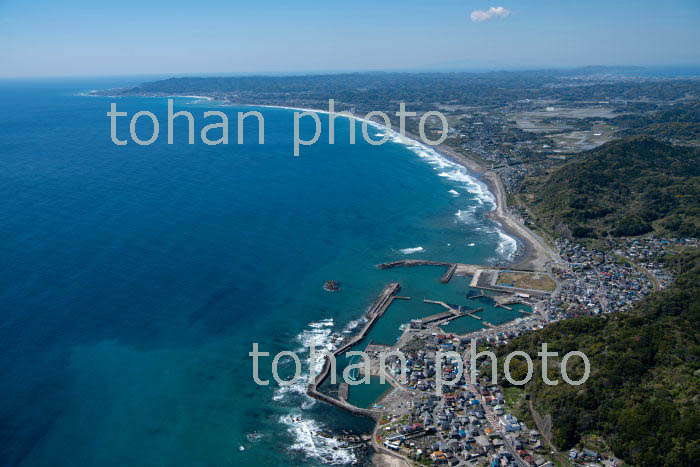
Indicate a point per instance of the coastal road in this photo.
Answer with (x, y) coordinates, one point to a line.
(401, 460)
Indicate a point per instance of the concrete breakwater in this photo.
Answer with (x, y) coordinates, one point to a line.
(380, 305)
(460, 269)
(412, 262)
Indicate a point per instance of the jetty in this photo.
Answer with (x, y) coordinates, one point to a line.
(444, 315)
(450, 314)
(412, 262)
(444, 305)
(448, 274)
(472, 296)
(459, 269)
(380, 305)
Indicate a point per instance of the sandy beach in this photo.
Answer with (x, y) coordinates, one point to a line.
(536, 253)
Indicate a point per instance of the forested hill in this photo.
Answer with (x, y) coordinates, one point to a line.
(643, 394)
(626, 187)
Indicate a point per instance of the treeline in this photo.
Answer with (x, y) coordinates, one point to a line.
(643, 393)
(679, 123)
(623, 188)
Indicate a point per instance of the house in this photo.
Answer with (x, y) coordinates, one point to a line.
(592, 455)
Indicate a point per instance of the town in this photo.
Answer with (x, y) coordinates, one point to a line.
(470, 419)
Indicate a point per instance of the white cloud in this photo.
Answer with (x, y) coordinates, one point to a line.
(494, 12)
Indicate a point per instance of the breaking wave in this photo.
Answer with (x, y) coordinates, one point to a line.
(409, 251)
(507, 245)
(309, 435)
(310, 441)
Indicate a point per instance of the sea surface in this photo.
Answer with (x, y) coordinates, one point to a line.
(134, 279)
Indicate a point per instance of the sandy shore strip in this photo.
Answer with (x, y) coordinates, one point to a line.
(385, 460)
(537, 254)
(207, 98)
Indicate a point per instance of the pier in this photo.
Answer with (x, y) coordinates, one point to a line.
(450, 314)
(412, 262)
(479, 295)
(437, 317)
(448, 275)
(471, 313)
(460, 269)
(444, 305)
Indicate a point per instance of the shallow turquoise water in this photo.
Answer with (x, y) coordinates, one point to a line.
(135, 279)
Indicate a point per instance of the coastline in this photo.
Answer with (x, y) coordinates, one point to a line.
(536, 254)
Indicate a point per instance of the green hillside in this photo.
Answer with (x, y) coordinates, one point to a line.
(643, 393)
(625, 188)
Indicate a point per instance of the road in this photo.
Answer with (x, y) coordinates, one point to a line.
(491, 417)
(560, 457)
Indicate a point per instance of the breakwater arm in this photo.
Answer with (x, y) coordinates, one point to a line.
(380, 305)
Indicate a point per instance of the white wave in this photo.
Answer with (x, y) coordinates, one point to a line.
(456, 171)
(466, 215)
(321, 324)
(507, 245)
(472, 244)
(308, 440)
(453, 192)
(478, 189)
(320, 334)
(354, 324)
(409, 251)
(299, 387)
(449, 169)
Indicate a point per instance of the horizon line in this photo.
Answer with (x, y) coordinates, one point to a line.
(317, 72)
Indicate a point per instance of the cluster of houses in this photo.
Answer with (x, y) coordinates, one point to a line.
(595, 282)
(648, 252)
(585, 455)
(468, 424)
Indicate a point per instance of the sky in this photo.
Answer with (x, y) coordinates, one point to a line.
(43, 38)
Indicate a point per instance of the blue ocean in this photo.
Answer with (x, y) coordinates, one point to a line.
(134, 279)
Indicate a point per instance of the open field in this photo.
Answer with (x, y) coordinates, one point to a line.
(526, 280)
